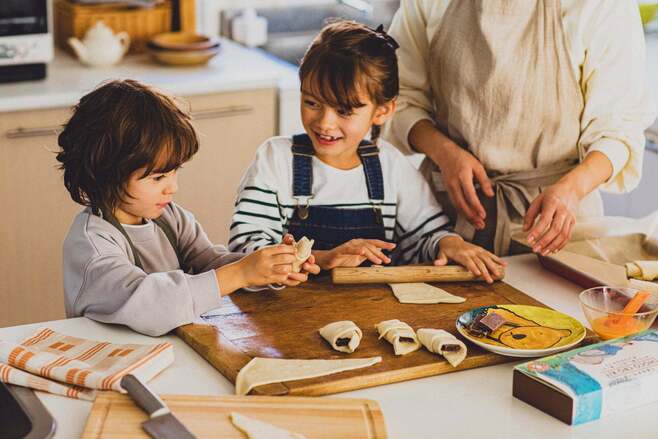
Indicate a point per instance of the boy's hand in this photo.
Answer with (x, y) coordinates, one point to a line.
(479, 261)
(309, 266)
(353, 253)
(271, 265)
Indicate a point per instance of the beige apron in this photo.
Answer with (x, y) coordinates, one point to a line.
(504, 89)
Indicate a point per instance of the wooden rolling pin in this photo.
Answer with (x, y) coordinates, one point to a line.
(414, 273)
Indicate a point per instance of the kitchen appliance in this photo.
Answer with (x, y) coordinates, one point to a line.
(26, 41)
(23, 415)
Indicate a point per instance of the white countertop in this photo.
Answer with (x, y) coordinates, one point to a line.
(467, 404)
(234, 68)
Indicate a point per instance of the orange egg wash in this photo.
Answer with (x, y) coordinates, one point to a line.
(622, 324)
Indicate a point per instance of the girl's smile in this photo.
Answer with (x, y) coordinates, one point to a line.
(326, 140)
(337, 132)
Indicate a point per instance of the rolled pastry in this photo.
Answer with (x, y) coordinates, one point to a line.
(344, 336)
(443, 343)
(400, 335)
(302, 253)
(643, 270)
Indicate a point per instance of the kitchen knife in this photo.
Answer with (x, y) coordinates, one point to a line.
(162, 423)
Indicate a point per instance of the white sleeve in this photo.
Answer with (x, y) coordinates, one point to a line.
(411, 27)
(420, 223)
(617, 108)
(258, 218)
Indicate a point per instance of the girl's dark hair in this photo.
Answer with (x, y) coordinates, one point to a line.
(116, 129)
(347, 58)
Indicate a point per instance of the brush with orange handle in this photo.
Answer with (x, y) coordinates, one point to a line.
(631, 308)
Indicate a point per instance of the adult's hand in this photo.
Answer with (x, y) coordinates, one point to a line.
(459, 170)
(550, 218)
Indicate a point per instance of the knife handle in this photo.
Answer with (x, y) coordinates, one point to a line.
(143, 396)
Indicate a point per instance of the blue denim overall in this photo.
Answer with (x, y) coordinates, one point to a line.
(331, 226)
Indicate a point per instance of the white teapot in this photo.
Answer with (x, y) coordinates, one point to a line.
(100, 46)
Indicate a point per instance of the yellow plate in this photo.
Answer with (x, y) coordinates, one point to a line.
(529, 331)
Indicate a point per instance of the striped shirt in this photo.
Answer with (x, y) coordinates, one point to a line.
(412, 217)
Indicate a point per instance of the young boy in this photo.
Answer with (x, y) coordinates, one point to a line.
(132, 256)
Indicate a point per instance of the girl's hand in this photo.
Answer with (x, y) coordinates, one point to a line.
(309, 266)
(556, 209)
(479, 261)
(458, 169)
(353, 253)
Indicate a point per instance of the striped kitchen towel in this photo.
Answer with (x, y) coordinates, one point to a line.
(19, 377)
(66, 365)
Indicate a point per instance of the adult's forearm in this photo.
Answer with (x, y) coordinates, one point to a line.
(425, 138)
(595, 170)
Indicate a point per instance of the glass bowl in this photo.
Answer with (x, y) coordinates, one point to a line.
(603, 308)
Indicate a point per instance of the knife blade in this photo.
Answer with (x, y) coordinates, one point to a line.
(162, 423)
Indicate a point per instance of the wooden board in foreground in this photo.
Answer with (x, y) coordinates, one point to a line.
(116, 416)
(284, 324)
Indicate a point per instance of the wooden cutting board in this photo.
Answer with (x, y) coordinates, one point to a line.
(585, 271)
(116, 416)
(284, 324)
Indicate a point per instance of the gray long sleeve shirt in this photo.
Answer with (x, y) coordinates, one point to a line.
(102, 282)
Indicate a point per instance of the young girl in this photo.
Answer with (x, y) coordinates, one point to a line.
(132, 256)
(352, 196)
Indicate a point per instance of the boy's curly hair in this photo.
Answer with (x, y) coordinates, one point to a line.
(118, 128)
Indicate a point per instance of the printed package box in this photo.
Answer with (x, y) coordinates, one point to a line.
(588, 383)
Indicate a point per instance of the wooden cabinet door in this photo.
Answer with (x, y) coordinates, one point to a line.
(37, 212)
(230, 126)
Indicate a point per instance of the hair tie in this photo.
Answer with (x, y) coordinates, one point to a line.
(389, 40)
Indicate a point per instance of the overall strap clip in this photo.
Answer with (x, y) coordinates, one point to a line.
(372, 168)
(303, 209)
(302, 173)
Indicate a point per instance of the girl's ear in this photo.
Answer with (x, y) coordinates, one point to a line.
(384, 112)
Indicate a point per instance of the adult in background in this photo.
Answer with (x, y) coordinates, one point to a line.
(523, 109)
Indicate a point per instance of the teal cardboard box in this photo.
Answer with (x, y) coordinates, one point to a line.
(588, 383)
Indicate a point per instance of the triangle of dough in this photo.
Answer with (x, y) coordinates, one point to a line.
(423, 293)
(255, 429)
(260, 371)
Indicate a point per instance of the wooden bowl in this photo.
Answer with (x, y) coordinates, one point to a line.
(183, 58)
(182, 41)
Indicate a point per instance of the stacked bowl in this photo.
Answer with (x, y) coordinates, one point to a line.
(182, 48)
